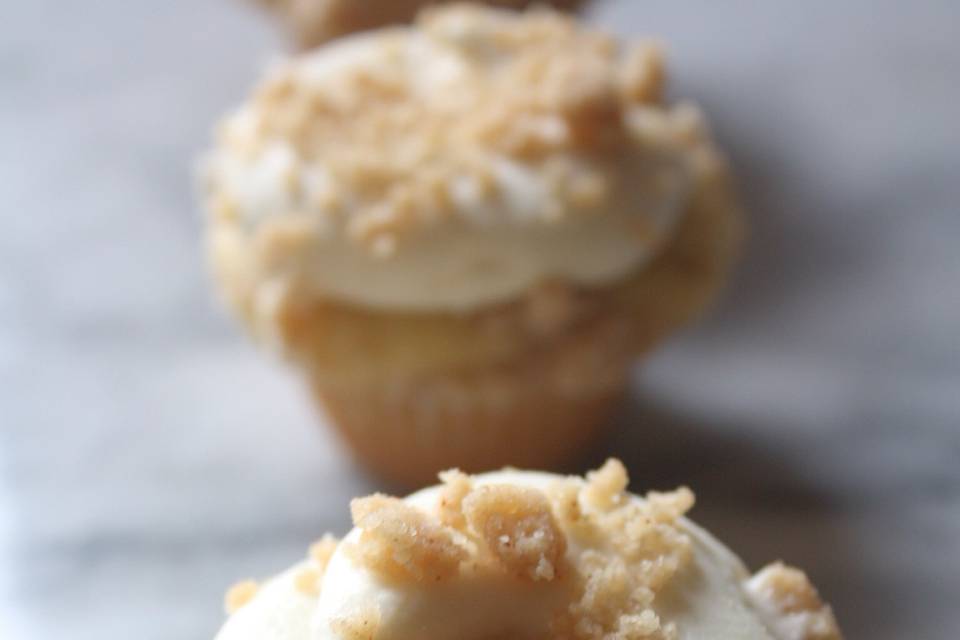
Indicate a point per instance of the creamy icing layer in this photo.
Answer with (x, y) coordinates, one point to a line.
(453, 164)
(691, 587)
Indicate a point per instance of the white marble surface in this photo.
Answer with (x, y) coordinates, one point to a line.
(149, 456)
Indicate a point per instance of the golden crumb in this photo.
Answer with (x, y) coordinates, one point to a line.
(239, 594)
(565, 497)
(361, 625)
(402, 542)
(606, 487)
(787, 593)
(517, 526)
(642, 77)
(789, 587)
(307, 581)
(618, 589)
(667, 507)
(321, 551)
(456, 486)
(639, 625)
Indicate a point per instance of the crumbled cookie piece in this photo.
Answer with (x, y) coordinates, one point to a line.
(322, 550)
(606, 487)
(614, 604)
(791, 602)
(307, 581)
(667, 507)
(655, 546)
(362, 625)
(564, 495)
(642, 78)
(649, 549)
(456, 486)
(239, 594)
(518, 528)
(640, 625)
(402, 542)
(788, 587)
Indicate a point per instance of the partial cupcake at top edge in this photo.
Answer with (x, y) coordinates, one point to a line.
(517, 555)
(465, 232)
(313, 22)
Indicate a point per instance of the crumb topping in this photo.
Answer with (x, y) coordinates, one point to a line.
(362, 625)
(607, 485)
(307, 581)
(613, 554)
(603, 554)
(790, 600)
(239, 594)
(402, 542)
(321, 551)
(456, 486)
(517, 526)
(633, 549)
(446, 116)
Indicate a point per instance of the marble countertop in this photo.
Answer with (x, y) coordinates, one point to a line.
(149, 455)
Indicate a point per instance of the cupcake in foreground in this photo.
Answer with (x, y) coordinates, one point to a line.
(464, 232)
(528, 556)
(313, 22)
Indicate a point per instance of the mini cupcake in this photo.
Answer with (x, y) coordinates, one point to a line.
(528, 556)
(313, 22)
(465, 232)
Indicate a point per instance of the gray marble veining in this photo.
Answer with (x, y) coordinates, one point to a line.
(149, 456)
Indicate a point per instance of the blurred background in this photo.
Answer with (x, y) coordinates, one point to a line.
(149, 456)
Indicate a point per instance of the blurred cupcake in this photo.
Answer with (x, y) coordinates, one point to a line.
(313, 22)
(464, 232)
(528, 556)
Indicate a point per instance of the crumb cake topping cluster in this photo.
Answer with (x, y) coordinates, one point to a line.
(603, 554)
(471, 109)
(791, 604)
(610, 553)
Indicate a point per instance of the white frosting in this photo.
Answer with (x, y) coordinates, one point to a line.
(709, 600)
(279, 611)
(487, 250)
